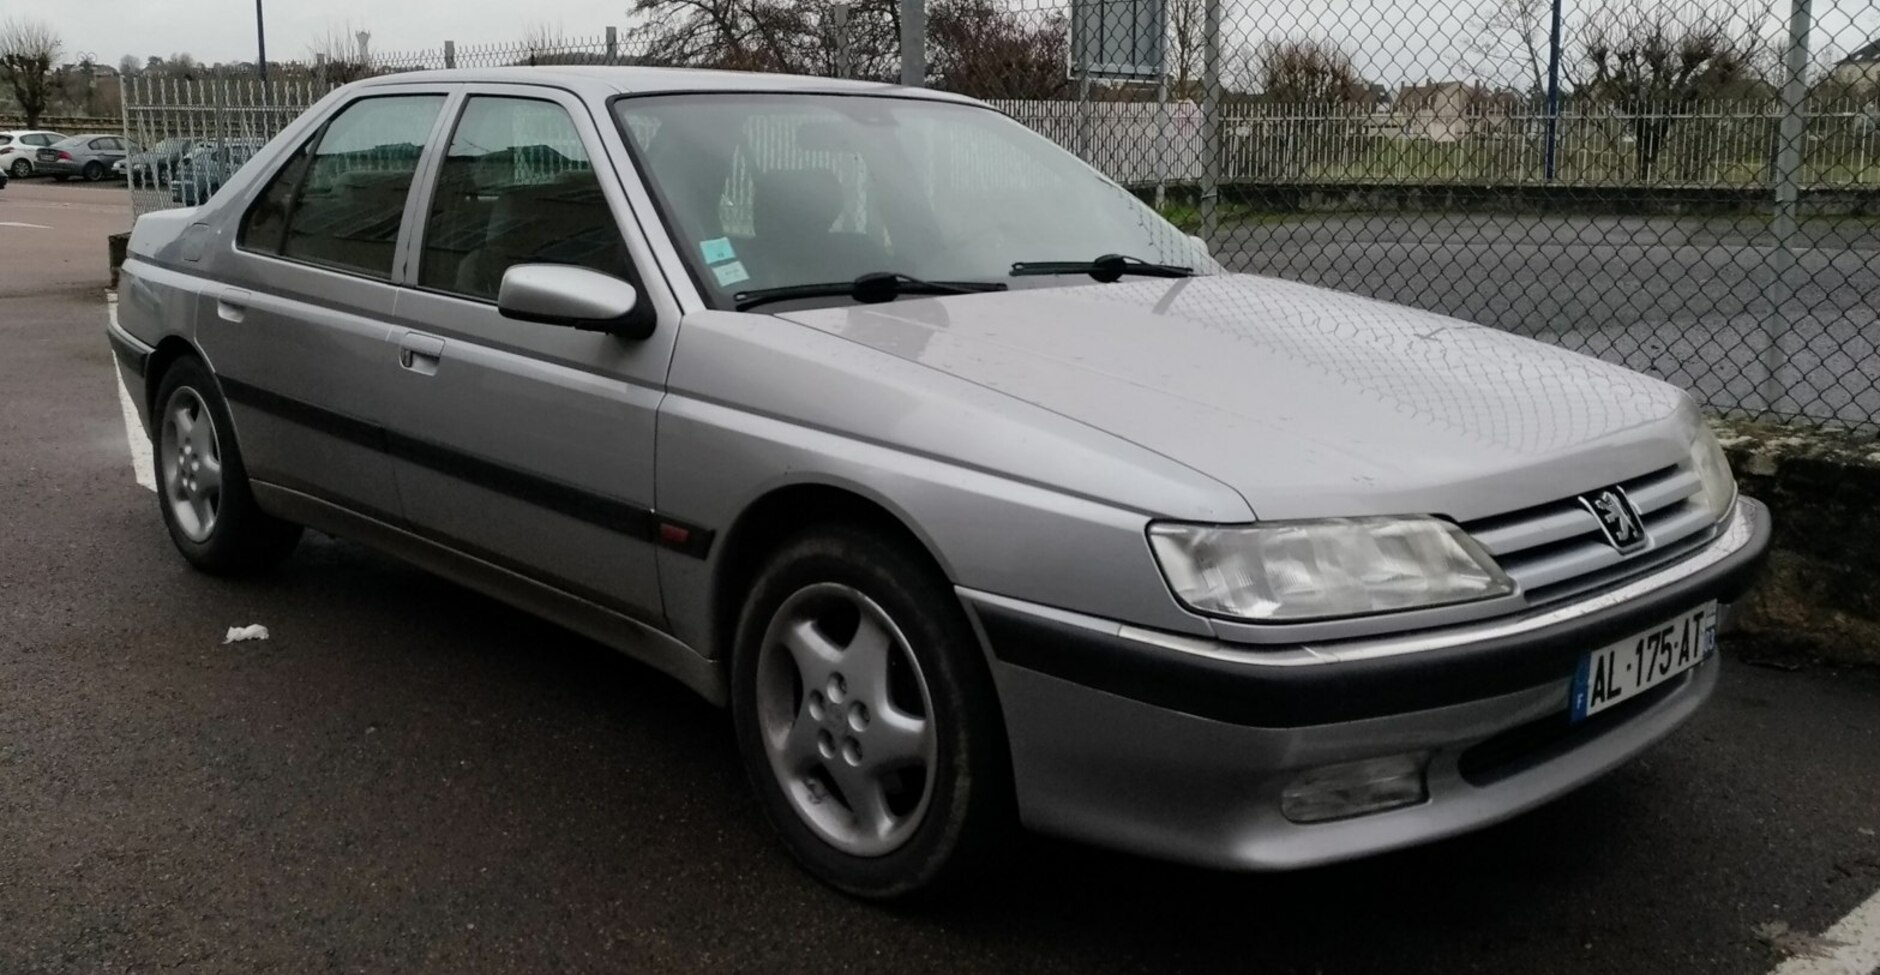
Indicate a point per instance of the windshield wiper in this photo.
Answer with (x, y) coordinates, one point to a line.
(869, 289)
(1107, 268)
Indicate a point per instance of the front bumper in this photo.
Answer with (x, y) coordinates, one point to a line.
(1178, 747)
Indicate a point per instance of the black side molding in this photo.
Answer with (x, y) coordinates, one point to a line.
(134, 358)
(614, 514)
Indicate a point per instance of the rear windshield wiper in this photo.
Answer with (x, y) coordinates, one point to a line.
(869, 289)
(1107, 268)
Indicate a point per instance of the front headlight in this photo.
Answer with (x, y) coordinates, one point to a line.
(1713, 471)
(1300, 570)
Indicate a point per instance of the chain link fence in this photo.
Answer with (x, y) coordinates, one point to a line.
(1687, 187)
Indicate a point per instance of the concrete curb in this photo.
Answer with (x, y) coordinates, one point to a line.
(1823, 489)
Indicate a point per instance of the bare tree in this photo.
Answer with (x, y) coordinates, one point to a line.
(336, 55)
(1305, 70)
(543, 40)
(1650, 65)
(1510, 42)
(751, 35)
(1187, 22)
(28, 50)
(984, 49)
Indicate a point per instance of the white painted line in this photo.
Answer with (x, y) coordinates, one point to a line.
(30, 226)
(1854, 946)
(143, 466)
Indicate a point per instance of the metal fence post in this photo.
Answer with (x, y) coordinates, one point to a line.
(613, 45)
(1553, 94)
(1210, 120)
(913, 43)
(839, 27)
(1161, 137)
(1788, 174)
(450, 53)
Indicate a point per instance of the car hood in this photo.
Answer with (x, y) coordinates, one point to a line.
(1309, 402)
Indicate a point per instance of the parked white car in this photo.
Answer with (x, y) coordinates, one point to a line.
(18, 146)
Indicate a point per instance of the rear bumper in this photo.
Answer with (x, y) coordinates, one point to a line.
(1179, 748)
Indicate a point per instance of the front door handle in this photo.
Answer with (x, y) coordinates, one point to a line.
(232, 304)
(420, 353)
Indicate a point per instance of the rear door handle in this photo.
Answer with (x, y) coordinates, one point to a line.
(420, 353)
(232, 304)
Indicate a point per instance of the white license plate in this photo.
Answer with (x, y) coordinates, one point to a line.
(1620, 672)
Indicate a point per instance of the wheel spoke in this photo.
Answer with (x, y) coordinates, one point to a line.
(815, 656)
(798, 745)
(896, 739)
(209, 477)
(865, 798)
(865, 662)
(185, 426)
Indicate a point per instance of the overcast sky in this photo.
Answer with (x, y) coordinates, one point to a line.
(1394, 41)
(224, 30)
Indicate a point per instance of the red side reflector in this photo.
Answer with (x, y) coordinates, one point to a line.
(673, 534)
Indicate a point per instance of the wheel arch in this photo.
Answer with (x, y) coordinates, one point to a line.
(779, 515)
(168, 350)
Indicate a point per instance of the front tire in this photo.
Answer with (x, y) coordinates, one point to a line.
(94, 171)
(21, 169)
(866, 717)
(202, 485)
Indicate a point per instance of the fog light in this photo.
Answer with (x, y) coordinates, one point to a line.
(1355, 788)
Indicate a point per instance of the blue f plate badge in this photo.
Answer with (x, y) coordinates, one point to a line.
(1617, 673)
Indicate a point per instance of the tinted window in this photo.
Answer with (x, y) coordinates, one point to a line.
(265, 222)
(103, 144)
(39, 140)
(339, 200)
(516, 187)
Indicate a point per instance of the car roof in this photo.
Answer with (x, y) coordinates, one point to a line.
(93, 135)
(601, 81)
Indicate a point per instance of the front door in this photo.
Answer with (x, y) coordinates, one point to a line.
(527, 445)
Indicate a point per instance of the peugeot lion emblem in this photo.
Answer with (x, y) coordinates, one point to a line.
(1617, 518)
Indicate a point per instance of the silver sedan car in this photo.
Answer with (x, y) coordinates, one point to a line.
(980, 495)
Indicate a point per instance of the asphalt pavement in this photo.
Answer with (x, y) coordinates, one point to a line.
(1710, 303)
(410, 777)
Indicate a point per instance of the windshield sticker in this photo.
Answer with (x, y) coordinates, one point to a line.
(717, 250)
(730, 274)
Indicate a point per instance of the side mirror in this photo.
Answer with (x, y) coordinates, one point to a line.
(577, 297)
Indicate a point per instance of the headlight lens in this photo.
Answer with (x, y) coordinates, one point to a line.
(1713, 471)
(1300, 570)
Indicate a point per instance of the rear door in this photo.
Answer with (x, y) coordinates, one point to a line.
(528, 445)
(297, 328)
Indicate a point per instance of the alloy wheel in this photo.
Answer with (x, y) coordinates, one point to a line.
(191, 457)
(846, 719)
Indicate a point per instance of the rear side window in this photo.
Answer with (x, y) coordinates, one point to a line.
(338, 200)
(39, 140)
(516, 187)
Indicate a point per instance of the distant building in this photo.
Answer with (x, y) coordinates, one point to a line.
(1859, 70)
(1447, 111)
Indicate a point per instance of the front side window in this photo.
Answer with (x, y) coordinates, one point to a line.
(769, 190)
(339, 200)
(516, 187)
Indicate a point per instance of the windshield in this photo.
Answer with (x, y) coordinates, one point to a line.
(770, 190)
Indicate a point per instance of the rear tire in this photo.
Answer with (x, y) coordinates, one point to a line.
(866, 717)
(202, 485)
